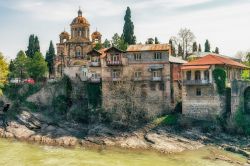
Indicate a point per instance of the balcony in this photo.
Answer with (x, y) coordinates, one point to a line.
(95, 64)
(196, 82)
(156, 79)
(95, 80)
(137, 79)
(114, 63)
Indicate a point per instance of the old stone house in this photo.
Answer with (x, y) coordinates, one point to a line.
(200, 98)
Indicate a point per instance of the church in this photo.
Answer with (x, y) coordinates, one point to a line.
(73, 47)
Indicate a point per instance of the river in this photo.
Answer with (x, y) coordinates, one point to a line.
(13, 153)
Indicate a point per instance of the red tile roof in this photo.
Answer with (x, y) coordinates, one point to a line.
(195, 67)
(215, 60)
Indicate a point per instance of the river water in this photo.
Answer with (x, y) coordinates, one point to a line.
(13, 153)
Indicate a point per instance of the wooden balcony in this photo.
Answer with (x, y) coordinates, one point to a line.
(196, 82)
(95, 64)
(114, 63)
(95, 80)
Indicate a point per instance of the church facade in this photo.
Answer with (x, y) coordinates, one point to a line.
(73, 47)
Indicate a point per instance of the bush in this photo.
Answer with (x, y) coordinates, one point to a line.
(220, 76)
(242, 121)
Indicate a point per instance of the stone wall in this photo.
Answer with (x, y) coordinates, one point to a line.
(208, 105)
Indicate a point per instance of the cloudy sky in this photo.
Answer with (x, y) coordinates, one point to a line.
(226, 23)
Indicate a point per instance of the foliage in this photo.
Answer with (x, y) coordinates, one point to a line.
(242, 120)
(59, 104)
(33, 46)
(180, 51)
(98, 46)
(50, 55)
(118, 42)
(195, 48)
(199, 49)
(173, 52)
(19, 66)
(207, 46)
(170, 120)
(150, 41)
(217, 50)
(245, 75)
(220, 76)
(106, 43)
(37, 66)
(156, 41)
(128, 28)
(4, 69)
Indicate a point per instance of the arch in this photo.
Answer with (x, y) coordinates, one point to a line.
(247, 100)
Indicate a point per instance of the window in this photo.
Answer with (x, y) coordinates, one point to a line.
(206, 75)
(197, 75)
(161, 86)
(188, 75)
(95, 59)
(157, 56)
(137, 57)
(153, 86)
(115, 74)
(138, 74)
(115, 57)
(198, 91)
(95, 75)
(157, 73)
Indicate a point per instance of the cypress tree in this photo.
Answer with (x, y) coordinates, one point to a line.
(156, 41)
(199, 49)
(128, 28)
(173, 52)
(217, 50)
(106, 43)
(33, 46)
(180, 51)
(207, 46)
(195, 48)
(50, 55)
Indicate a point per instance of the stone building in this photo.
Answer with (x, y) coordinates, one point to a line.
(200, 98)
(73, 47)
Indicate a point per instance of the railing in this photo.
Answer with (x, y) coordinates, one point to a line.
(196, 82)
(94, 80)
(95, 64)
(114, 63)
(156, 78)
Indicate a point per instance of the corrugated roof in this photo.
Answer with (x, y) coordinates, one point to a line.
(148, 47)
(215, 60)
(173, 59)
(195, 67)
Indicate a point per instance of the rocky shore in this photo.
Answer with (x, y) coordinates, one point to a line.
(35, 127)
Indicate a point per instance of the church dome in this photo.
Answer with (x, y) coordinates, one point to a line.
(64, 33)
(80, 19)
(96, 34)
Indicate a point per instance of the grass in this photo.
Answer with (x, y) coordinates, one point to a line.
(166, 120)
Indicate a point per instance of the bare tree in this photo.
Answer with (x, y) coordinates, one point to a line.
(186, 38)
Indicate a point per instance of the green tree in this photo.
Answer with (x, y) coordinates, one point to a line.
(150, 41)
(199, 49)
(20, 66)
(4, 70)
(49, 58)
(33, 46)
(11, 69)
(156, 41)
(180, 50)
(128, 28)
(98, 46)
(217, 50)
(195, 48)
(173, 52)
(207, 46)
(119, 42)
(37, 66)
(106, 43)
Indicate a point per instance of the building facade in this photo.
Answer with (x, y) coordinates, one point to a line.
(73, 47)
(200, 98)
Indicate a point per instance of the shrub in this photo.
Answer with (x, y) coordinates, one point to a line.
(220, 76)
(242, 120)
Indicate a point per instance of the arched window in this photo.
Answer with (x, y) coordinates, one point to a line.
(197, 75)
(188, 75)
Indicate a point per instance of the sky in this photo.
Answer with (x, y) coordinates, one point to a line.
(226, 23)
